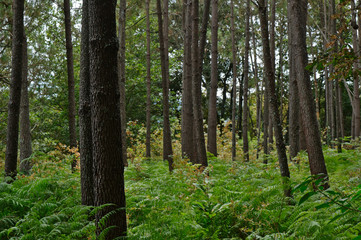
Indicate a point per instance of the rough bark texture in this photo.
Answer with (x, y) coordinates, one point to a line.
(356, 99)
(85, 121)
(147, 141)
(167, 141)
(109, 168)
(187, 100)
(234, 83)
(121, 65)
(270, 81)
(212, 109)
(71, 84)
(203, 34)
(273, 57)
(298, 11)
(245, 86)
(12, 135)
(25, 134)
(197, 91)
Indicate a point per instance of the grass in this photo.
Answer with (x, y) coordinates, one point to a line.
(231, 200)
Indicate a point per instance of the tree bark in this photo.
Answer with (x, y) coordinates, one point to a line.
(147, 142)
(212, 110)
(234, 84)
(12, 134)
(245, 86)
(167, 141)
(356, 100)
(71, 83)
(106, 122)
(25, 134)
(270, 81)
(122, 77)
(298, 12)
(85, 120)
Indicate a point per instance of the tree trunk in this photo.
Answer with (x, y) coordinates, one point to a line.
(298, 13)
(203, 36)
(245, 86)
(12, 134)
(234, 84)
(167, 141)
(71, 83)
(106, 122)
(270, 81)
(121, 66)
(273, 57)
(25, 134)
(356, 83)
(147, 142)
(85, 121)
(212, 110)
(187, 100)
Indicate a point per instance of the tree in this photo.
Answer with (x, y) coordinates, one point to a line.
(71, 83)
(12, 135)
(85, 120)
(245, 86)
(25, 134)
(270, 82)
(106, 122)
(121, 65)
(234, 63)
(298, 10)
(147, 141)
(167, 141)
(212, 109)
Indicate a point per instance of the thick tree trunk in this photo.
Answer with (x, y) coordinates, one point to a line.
(12, 134)
(85, 121)
(212, 110)
(106, 123)
(298, 13)
(187, 99)
(203, 35)
(167, 141)
(270, 81)
(121, 66)
(245, 86)
(234, 84)
(25, 134)
(197, 91)
(71, 83)
(147, 141)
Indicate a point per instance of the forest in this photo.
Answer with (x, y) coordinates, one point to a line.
(182, 119)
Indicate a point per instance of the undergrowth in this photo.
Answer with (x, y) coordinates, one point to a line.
(230, 200)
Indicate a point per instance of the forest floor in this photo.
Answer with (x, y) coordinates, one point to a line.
(231, 200)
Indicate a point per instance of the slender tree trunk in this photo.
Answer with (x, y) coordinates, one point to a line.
(106, 122)
(71, 83)
(298, 13)
(212, 110)
(167, 141)
(147, 143)
(25, 134)
(197, 91)
(332, 31)
(187, 99)
(203, 35)
(12, 134)
(121, 66)
(273, 57)
(85, 120)
(234, 71)
(270, 81)
(356, 100)
(245, 86)
(240, 108)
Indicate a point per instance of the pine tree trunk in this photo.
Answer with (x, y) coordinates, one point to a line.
(167, 141)
(234, 83)
(25, 134)
(245, 86)
(270, 81)
(298, 13)
(71, 83)
(85, 121)
(106, 122)
(12, 134)
(147, 142)
(121, 66)
(212, 110)
(197, 91)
